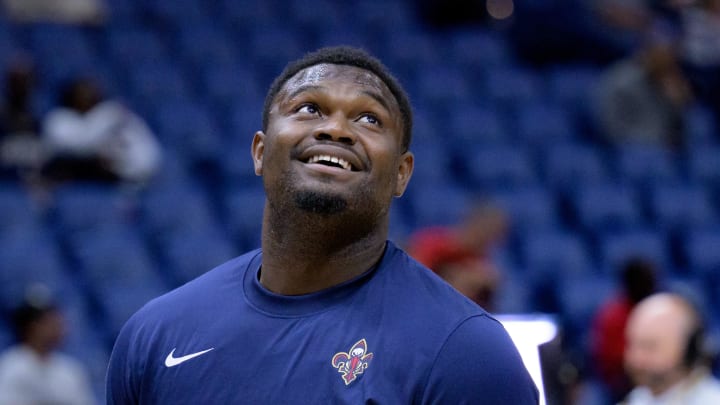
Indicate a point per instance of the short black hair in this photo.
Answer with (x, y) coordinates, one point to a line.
(27, 313)
(350, 56)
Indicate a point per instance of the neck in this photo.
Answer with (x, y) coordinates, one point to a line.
(668, 381)
(39, 348)
(309, 252)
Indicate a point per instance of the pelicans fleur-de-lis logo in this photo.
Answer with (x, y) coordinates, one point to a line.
(352, 363)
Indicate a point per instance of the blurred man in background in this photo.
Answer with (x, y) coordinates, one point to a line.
(462, 254)
(33, 372)
(666, 355)
(639, 280)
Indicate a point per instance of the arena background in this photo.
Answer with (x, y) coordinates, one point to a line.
(503, 99)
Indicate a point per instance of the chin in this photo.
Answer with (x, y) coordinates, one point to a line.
(320, 203)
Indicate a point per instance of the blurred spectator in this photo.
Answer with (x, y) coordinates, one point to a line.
(642, 99)
(701, 49)
(638, 278)
(586, 30)
(665, 355)
(62, 11)
(91, 138)
(20, 150)
(462, 254)
(33, 372)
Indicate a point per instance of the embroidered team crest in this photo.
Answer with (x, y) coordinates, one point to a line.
(352, 363)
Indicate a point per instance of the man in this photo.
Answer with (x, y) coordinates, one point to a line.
(328, 311)
(638, 278)
(462, 254)
(664, 354)
(33, 372)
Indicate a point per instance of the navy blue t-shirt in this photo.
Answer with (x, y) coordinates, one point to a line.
(395, 335)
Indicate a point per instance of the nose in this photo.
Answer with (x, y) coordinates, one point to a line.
(335, 128)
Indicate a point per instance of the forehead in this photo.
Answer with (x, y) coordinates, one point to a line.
(659, 323)
(318, 75)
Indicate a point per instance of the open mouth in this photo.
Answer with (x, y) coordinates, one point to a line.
(331, 161)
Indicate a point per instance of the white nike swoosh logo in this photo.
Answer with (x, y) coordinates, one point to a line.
(171, 361)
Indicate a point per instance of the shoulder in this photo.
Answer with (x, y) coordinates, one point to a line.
(193, 298)
(479, 363)
(415, 284)
(709, 389)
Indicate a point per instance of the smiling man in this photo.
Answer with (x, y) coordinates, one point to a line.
(328, 310)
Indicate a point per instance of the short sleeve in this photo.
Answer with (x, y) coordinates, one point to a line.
(120, 381)
(479, 364)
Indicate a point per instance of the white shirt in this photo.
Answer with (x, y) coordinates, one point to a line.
(699, 389)
(109, 130)
(27, 379)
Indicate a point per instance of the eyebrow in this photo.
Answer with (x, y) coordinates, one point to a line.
(314, 87)
(304, 88)
(377, 97)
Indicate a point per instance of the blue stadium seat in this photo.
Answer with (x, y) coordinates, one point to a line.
(572, 86)
(646, 165)
(245, 118)
(580, 297)
(700, 126)
(118, 303)
(192, 252)
(206, 46)
(704, 166)
(177, 13)
(165, 211)
(530, 208)
(404, 59)
(703, 255)
(441, 85)
(30, 256)
(229, 85)
(243, 213)
(477, 50)
(568, 165)
(511, 86)
(513, 295)
(542, 123)
(551, 255)
(129, 45)
(383, 16)
(113, 256)
(432, 162)
(157, 80)
(189, 128)
(17, 208)
(472, 124)
(272, 47)
(498, 167)
(437, 204)
(601, 207)
(82, 206)
(549, 258)
(678, 208)
(617, 247)
(326, 18)
(64, 51)
(119, 271)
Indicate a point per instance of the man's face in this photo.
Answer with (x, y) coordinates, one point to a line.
(333, 143)
(654, 348)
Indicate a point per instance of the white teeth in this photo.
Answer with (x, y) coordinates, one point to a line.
(342, 162)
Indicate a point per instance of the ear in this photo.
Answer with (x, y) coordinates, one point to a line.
(405, 169)
(258, 150)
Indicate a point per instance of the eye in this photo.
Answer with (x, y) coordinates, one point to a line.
(370, 119)
(308, 108)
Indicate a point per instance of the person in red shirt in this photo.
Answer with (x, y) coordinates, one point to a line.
(461, 254)
(638, 277)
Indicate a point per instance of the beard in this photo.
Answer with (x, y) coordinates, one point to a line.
(319, 203)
